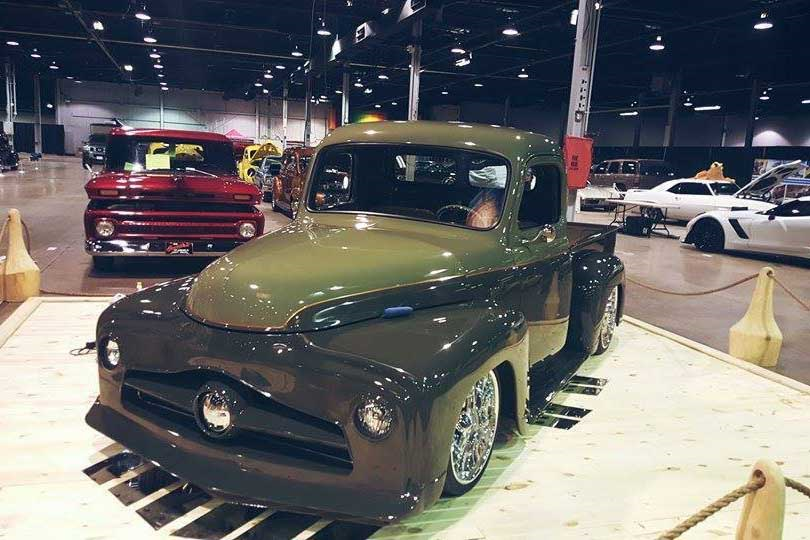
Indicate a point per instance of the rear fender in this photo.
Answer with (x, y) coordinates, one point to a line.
(595, 274)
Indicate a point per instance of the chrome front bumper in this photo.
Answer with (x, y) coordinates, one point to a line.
(157, 248)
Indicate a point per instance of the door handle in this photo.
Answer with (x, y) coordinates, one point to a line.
(548, 233)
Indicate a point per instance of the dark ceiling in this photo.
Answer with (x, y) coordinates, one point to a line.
(227, 45)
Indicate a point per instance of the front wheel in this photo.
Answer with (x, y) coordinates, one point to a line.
(473, 436)
(607, 326)
(709, 236)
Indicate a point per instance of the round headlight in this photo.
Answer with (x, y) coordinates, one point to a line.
(374, 418)
(109, 353)
(247, 230)
(105, 228)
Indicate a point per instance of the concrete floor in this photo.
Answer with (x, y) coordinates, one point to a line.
(50, 196)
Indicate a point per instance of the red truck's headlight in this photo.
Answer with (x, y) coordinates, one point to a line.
(247, 230)
(105, 228)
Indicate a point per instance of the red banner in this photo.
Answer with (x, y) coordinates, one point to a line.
(578, 153)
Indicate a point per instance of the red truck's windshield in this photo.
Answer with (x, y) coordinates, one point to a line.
(136, 154)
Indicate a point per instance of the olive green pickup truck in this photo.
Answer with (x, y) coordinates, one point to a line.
(358, 361)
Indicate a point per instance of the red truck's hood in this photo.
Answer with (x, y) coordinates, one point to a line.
(172, 186)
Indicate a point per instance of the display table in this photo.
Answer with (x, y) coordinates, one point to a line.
(670, 426)
(659, 221)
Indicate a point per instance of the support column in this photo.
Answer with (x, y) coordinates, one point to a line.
(162, 122)
(416, 65)
(579, 102)
(11, 99)
(308, 113)
(37, 115)
(344, 97)
(284, 112)
(674, 102)
(506, 103)
(752, 113)
(258, 118)
(639, 124)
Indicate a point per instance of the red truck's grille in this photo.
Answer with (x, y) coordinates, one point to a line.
(164, 226)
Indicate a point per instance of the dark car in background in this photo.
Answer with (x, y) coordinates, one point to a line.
(631, 173)
(94, 150)
(9, 159)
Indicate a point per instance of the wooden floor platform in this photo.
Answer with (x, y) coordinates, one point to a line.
(649, 433)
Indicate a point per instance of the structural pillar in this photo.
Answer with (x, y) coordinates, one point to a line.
(160, 96)
(579, 102)
(506, 104)
(285, 92)
(308, 112)
(672, 114)
(752, 114)
(639, 124)
(416, 65)
(258, 118)
(344, 97)
(11, 98)
(37, 115)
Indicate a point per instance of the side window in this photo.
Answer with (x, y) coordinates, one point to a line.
(542, 197)
(629, 167)
(695, 188)
(613, 167)
(793, 209)
(601, 168)
(333, 184)
(677, 188)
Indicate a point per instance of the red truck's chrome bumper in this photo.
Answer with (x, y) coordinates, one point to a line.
(158, 248)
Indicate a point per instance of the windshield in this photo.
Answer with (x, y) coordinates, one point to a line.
(724, 188)
(456, 187)
(153, 154)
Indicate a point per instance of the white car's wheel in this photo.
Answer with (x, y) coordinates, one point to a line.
(473, 436)
(709, 235)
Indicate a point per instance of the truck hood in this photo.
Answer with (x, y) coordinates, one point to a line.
(310, 276)
(172, 186)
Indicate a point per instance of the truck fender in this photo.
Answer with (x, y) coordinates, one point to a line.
(595, 274)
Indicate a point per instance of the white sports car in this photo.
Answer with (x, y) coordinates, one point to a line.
(686, 198)
(781, 230)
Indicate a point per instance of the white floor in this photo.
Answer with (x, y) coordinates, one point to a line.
(673, 429)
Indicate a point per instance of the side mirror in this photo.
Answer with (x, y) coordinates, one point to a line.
(771, 217)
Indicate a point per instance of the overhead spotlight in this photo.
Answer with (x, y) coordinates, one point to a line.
(358, 84)
(574, 17)
(629, 113)
(70, 77)
(764, 97)
(128, 67)
(465, 60)
(49, 105)
(323, 30)
(806, 102)
(149, 39)
(157, 66)
(281, 66)
(161, 83)
(323, 97)
(368, 91)
(445, 92)
(338, 91)
(35, 54)
(154, 55)
(708, 108)
(161, 75)
(13, 43)
(523, 74)
(164, 88)
(268, 75)
(394, 103)
(382, 77)
(458, 49)
(295, 52)
(657, 45)
(258, 84)
(98, 25)
(142, 15)
(510, 30)
(688, 103)
(53, 66)
(763, 23)
(478, 85)
(265, 91)
(377, 106)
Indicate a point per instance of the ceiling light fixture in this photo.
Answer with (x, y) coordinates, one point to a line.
(806, 102)
(35, 54)
(53, 66)
(338, 91)
(149, 39)
(657, 45)
(764, 97)
(154, 55)
(13, 43)
(164, 88)
(161, 83)
(142, 15)
(281, 66)
(574, 17)
(445, 92)
(323, 30)
(377, 106)
(510, 30)
(708, 108)
(763, 23)
(258, 84)
(157, 66)
(49, 105)
(161, 75)
(358, 84)
(98, 25)
(478, 85)
(465, 60)
(296, 53)
(688, 103)
(523, 74)
(394, 103)
(265, 91)
(268, 75)
(128, 67)
(629, 113)
(458, 49)
(368, 91)
(382, 77)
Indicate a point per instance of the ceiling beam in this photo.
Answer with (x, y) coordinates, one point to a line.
(94, 37)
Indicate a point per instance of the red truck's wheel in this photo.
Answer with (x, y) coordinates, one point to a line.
(473, 436)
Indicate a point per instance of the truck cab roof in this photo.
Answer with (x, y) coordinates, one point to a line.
(169, 134)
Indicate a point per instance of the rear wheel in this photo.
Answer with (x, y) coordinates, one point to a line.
(473, 436)
(709, 236)
(654, 214)
(607, 326)
(103, 264)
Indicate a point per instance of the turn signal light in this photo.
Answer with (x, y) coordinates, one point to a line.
(242, 197)
(108, 192)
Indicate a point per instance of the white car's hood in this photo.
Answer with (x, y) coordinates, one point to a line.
(732, 202)
(772, 177)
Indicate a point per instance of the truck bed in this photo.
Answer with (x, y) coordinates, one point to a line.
(592, 237)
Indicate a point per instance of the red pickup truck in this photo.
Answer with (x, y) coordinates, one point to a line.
(168, 193)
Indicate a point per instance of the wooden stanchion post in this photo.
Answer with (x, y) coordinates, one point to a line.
(763, 514)
(756, 338)
(19, 274)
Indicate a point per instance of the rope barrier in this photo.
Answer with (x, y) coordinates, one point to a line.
(798, 486)
(804, 304)
(713, 508)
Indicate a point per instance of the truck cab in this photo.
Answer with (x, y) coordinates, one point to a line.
(168, 193)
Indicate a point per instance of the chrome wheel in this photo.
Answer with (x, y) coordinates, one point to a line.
(608, 326)
(474, 433)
